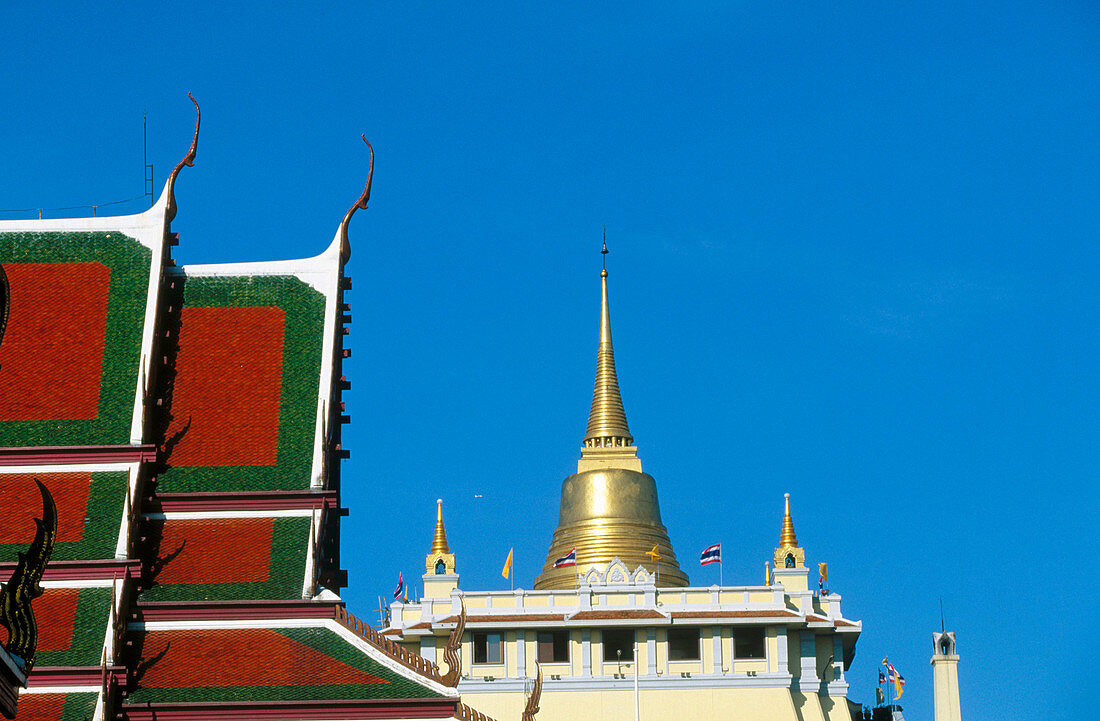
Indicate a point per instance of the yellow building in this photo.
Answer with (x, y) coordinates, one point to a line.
(621, 634)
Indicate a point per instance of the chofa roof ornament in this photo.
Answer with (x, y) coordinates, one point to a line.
(188, 160)
(23, 587)
(451, 650)
(532, 706)
(345, 246)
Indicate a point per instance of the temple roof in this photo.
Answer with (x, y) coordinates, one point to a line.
(201, 559)
(269, 664)
(187, 422)
(244, 399)
(85, 530)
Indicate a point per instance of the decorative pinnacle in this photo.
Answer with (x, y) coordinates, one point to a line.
(606, 418)
(439, 543)
(787, 537)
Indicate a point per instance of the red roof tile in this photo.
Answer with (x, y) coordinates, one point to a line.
(225, 401)
(615, 615)
(197, 658)
(40, 706)
(58, 606)
(734, 614)
(20, 504)
(51, 354)
(216, 550)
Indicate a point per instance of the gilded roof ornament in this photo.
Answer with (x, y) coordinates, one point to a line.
(188, 160)
(788, 554)
(606, 418)
(345, 246)
(16, 614)
(439, 542)
(787, 537)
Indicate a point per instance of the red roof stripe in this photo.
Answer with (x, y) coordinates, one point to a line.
(40, 706)
(57, 609)
(241, 657)
(228, 385)
(216, 550)
(51, 353)
(20, 504)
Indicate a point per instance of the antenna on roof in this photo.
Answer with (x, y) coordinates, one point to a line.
(145, 157)
(605, 251)
(941, 616)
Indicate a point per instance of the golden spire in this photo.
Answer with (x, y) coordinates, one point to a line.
(609, 510)
(439, 543)
(787, 537)
(606, 419)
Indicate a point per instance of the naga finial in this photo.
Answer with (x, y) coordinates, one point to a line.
(188, 160)
(345, 246)
(532, 706)
(16, 613)
(450, 651)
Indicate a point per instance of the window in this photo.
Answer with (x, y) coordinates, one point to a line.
(553, 646)
(790, 561)
(488, 648)
(748, 643)
(683, 644)
(440, 568)
(618, 641)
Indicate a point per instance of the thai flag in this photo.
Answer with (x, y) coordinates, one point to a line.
(569, 559)
(711, 554)
(400, 586)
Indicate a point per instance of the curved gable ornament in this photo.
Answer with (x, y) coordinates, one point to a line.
(188, 160)
(451, 651)
(361, 204)
(532, 706)
(16, 614)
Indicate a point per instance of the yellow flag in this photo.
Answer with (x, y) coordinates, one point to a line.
(823, 571)
(507, 565)
(654, 554)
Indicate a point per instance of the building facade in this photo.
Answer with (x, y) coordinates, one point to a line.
(612, 625)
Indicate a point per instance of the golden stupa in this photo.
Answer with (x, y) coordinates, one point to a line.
(609, 507)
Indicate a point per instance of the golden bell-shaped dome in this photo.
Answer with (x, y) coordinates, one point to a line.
(609, 506)
(608, 513)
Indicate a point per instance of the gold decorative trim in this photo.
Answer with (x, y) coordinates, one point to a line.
(16, 613)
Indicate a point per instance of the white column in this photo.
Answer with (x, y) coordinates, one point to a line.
(808, 680)
(838, 657)
(521, 655)
(651, 650)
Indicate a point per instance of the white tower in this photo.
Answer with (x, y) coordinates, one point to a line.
(945, 677)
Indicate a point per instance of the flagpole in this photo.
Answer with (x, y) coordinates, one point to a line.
(720, 583)
(637, 670)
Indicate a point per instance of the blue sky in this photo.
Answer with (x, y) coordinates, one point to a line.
(853, 257)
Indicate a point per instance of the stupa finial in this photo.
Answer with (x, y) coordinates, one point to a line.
(439, 542)
(787, 537)
(606, 418)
